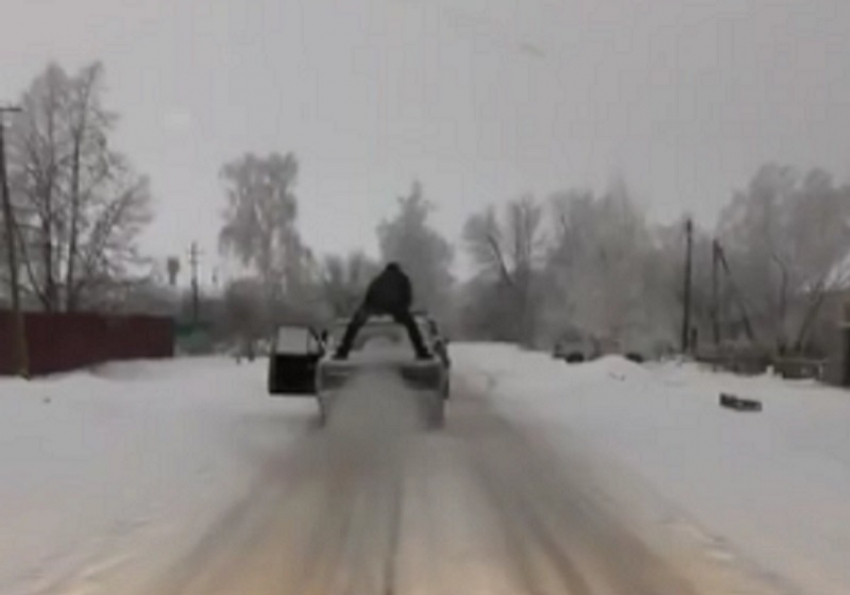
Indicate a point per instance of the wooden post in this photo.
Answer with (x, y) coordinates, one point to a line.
(715, 293)
(193, 262)
(10, 228)
(686, 314)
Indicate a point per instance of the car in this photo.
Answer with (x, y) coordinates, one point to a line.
(429, 379)
(575, 347)
(428, 328)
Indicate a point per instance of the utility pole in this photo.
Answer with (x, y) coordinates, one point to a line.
(748, 327)
(715, 292)
(10, 228)
(193, 263)
(686, 314)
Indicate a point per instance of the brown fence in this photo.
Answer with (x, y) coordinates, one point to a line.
(834, 370)
(62, 342)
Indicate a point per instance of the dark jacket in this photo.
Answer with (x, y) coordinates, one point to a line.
(389, 292)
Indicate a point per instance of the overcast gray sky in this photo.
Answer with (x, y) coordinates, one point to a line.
(481, 99)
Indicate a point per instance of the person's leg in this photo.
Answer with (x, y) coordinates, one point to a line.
(406, 318)
(357, 321)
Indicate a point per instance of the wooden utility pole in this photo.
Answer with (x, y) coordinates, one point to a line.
(10, 229)
(748, 327)
(193, 263)
(686, 313)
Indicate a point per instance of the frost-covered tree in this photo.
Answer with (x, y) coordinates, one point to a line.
(787, 237)
(81, 205)
(260, 220)
(603, 278)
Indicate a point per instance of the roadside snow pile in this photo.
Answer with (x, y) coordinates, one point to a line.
(93, 464)
(617, 367)
(518, 372)
(774, 486)
(148, 370)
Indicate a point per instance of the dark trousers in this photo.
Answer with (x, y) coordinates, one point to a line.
(403, 317)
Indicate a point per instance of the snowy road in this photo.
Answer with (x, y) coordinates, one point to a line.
(601, 479)
(374, 505)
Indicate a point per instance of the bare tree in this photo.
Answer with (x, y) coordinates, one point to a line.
(82, 205)
(510, 252)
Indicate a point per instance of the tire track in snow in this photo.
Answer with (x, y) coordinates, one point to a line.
(373, 505)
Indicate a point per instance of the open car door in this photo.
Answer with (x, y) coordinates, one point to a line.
(292, 362)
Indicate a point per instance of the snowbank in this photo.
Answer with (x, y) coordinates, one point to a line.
(772, 486)
(102, 462)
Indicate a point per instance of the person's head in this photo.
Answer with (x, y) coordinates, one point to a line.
(393, 266)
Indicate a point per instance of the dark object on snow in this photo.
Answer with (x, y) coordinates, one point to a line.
(574, 357)
(389, 293)
(739, 404)
(635, 358)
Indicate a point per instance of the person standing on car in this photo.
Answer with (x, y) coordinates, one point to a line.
(388, 293)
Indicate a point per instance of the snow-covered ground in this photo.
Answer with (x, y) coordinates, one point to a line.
(97, 466)
(99, 469)
(769, 488)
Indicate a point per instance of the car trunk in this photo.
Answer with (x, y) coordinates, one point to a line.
(428, 379)
(416, 374)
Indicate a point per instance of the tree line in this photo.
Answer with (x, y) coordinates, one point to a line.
(770, 275)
